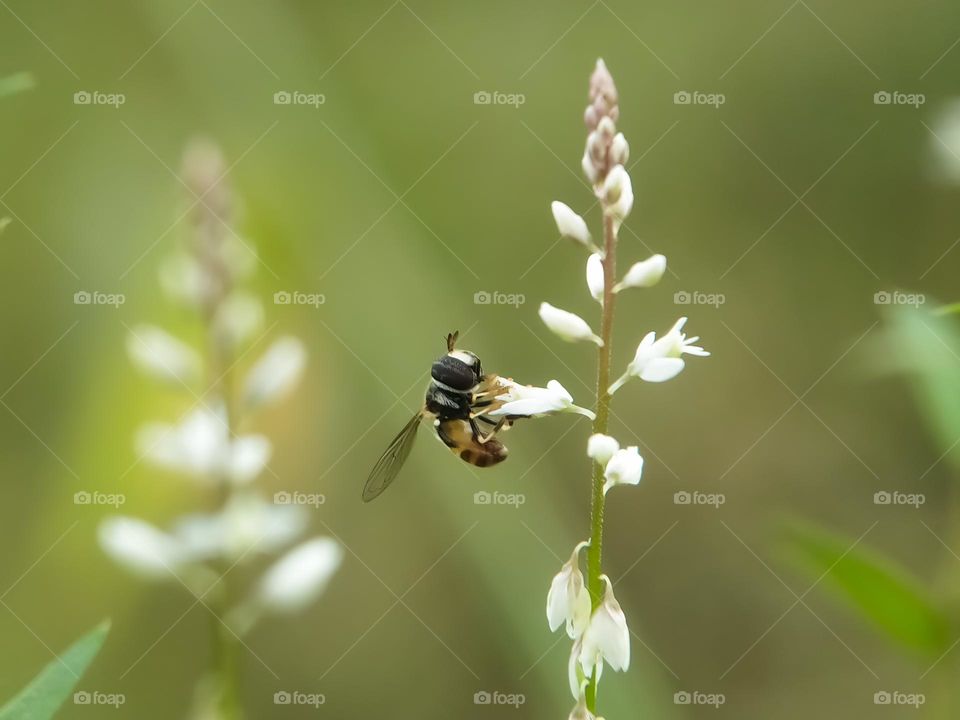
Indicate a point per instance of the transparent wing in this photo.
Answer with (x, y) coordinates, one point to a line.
(392, 460)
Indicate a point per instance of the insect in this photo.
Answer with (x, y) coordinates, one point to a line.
(457, 398)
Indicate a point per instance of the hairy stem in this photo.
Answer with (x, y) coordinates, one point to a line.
(595, 551)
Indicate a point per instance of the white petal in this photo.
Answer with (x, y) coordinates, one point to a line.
(601, 447)
(607, 635)
(557, 609)
(161, 355)
(566, 325)
(249, 455)
(595, 277)
(569, 224)
(644, 274)
(139, 546)
(572, 664)
(238, 319)
(618, 192)
(246, 524)
(196, 446)
(624, 468)
(301, 575)
(276, 373)
(619, 150)
(661, 369)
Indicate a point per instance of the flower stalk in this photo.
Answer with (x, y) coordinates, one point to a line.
(595, 550)
(604, 637)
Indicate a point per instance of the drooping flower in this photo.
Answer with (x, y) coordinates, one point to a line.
(566, 325)
(602, 447)
(568, 600)
(531, 401)
(624, 468)
(570, 225)
(660, 360)
(595, 277)
(606, 639)
(643, 274)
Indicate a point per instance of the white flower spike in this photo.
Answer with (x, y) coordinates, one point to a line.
(530, 401)
(617, 193)
(568, 600)
(602, 447)
(566, 325)
(624, 468)
(595, 277)
(660, 360)
(643, 274)
(570, 225)
(606, 638)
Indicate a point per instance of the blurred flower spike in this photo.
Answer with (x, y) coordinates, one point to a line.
(206, 445)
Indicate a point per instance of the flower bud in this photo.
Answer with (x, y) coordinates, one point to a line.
(569, 224)
(619, 150)
(566, 325)
(601, 447)
(595, 275)
(644, 274)
(624, 468)
(618, 193)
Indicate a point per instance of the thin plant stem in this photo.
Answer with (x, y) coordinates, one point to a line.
(595, 551)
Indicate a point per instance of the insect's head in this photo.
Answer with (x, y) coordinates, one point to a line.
(459, 369)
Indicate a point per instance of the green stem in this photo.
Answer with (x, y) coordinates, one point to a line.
(595, 551)
(226, 649)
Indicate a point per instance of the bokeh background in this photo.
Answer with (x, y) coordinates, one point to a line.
(399, 199)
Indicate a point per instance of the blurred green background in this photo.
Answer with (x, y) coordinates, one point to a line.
(398, 199)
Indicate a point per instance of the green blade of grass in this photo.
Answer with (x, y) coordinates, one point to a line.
(880, 590)
(44, 695)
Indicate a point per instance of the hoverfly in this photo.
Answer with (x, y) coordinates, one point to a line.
(457, 398)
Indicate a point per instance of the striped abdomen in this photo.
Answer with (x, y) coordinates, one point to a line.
(458, 436)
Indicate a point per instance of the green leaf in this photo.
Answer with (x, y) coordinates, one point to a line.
(50, 689)
(927, 347)
(879, 589)
(13, 84)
